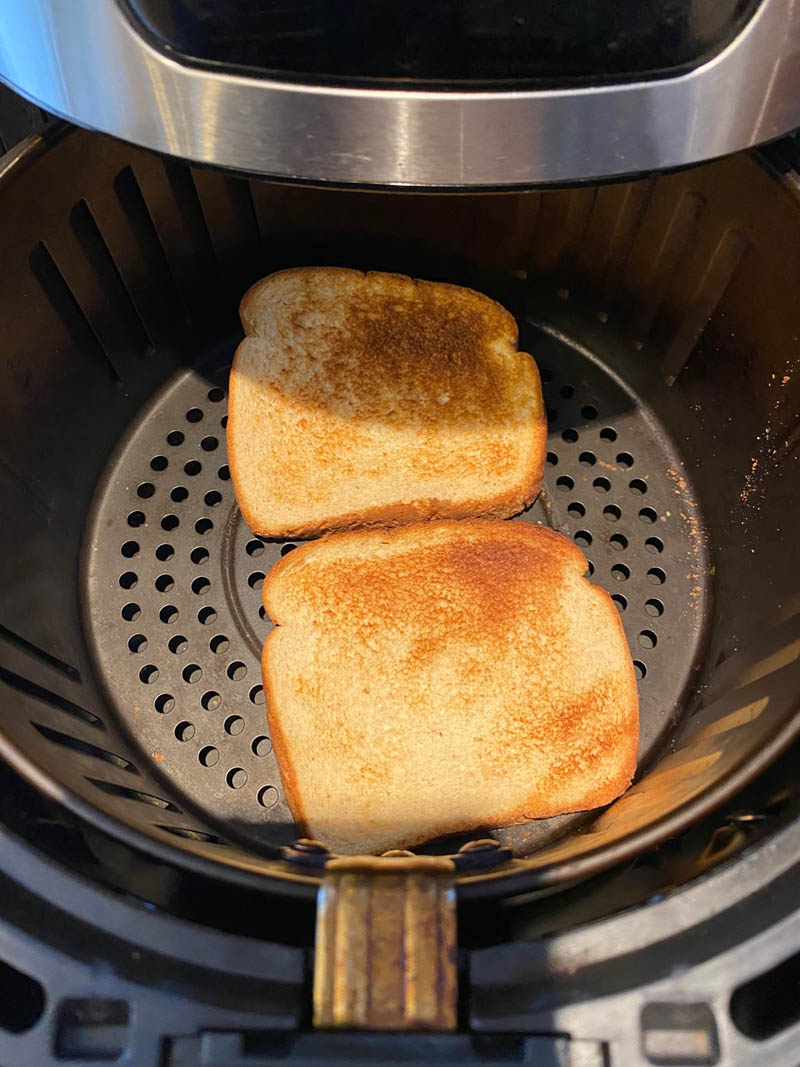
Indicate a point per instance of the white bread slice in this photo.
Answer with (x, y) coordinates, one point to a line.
(371, 399)
(443, 677)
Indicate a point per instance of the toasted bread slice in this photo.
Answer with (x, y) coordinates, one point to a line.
(371, 399)
(442, 677)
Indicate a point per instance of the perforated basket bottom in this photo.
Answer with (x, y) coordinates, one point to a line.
(172, 579)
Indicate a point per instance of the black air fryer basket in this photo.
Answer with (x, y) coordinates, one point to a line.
(662, 314)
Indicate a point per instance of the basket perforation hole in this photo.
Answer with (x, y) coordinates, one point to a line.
(254, 548)
(648, 515)
(287, 548)
(192, 673)
(268, 796)
(654, 607)
(211, 700)
(208, 444)
(576, 508)
(168, 614)
(256, 579)
(552, 416)
(130, 549)
(179, 494)
(567, 391)
(175, 438)
(145, 490)
(192, 468)
(234, 725)
(601, 485)
(638, 487)
(570, 435)
(216, 394)
(137, 643)
(620, 601)
(208, 756)
(236, 670)
(206, 616)
(165, 552)
(583, 538)
(612, 513)
(261, 746)
(587, 459)
(589, 412)
(608, 433)
(625, 460)
(639, 669)
(212, 498)
(148, 674)
(201, 585)
(224, 472)
(199, 555)
(262, 612)
(136, 518)
(219, 644)
(257, 694)
(654, 544)
(128, 580)
(620, 572)
(185, 731)
(130, 612)
(565, 483)
(656, 576)
(552, 459)
(589, 569)
(159, 463)
(178, 644)
(618, 542)
(203, 526)
(236, 778)
(647, 639)
(223, 421)
(164, 582)
(194, 415)
(164, 703)
(170, 522)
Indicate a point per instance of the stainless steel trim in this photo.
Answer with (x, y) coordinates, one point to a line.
(83, 60)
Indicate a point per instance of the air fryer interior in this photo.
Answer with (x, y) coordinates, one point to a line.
(662, 315)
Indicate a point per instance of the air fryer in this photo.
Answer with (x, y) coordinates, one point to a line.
(662, 314)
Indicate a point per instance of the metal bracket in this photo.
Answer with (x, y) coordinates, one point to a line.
(386, 953)
(386, 944)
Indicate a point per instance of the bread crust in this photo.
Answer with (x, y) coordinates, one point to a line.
(280, 747)
(503, 504)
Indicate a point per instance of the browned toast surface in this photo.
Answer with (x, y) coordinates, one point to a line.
(443, 677)
(372, 399)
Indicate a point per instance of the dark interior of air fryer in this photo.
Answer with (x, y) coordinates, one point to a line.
(662, 314)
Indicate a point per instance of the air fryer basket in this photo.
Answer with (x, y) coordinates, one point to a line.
(662, 314)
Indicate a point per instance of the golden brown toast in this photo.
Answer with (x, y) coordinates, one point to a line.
(442, 677)
(372, 399)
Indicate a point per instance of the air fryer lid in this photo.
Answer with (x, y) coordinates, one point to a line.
(505, 93)
(130, 676)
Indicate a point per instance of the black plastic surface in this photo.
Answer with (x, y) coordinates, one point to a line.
(417, 41)
(117, 250)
